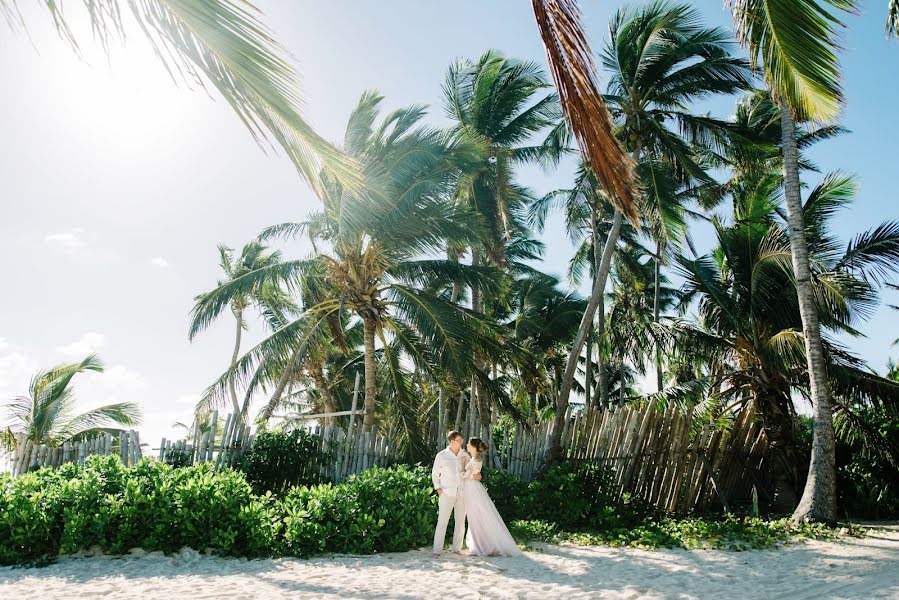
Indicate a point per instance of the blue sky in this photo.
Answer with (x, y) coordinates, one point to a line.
(118, 184)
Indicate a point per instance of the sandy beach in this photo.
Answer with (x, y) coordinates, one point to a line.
(853, 568)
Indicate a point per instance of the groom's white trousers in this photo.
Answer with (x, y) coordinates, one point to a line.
(447, 506)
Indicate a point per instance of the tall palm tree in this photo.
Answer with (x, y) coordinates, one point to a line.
(370, 262)
(795, 44)
(588, 217)
(218, 43)
(268, 297)
(748, 335)
(49, 415)
(660, 58)
(502, 103)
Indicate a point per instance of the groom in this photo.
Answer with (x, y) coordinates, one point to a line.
(449, 466)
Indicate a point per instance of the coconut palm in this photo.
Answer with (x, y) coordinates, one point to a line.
(49, 413)
(588, 218)
(502, 103)
(371, 260)
(270, 299)
(660, 58)
(796, 44)
(749, 334)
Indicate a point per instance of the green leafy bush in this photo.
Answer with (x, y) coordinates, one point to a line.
(380, 510)
(508, 493)
(279, 461)
(533, 531)
(157, 507)
(570, 494)
(401, 498)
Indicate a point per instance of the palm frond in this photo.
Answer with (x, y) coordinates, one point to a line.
(222, 43)
(795, 42)
(574, 72)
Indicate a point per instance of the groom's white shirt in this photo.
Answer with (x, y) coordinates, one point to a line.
(448, 470)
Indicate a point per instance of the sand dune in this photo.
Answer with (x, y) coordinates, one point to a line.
(856, 568)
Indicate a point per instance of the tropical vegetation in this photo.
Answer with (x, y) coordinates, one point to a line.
(422, 281)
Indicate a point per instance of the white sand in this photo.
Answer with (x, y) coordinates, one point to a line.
(865, 568)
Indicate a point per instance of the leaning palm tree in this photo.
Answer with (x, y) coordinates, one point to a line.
(270, 299)
(371, 261)
(222, 44)
(795, 44)
(660, 58)
(49, 413)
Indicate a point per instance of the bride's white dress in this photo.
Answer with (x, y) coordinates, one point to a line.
(487, 533)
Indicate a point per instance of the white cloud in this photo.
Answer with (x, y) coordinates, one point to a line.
(87, 344)
(120, 378)
(70, 240)
(16, 370)
(3, 344)
(159, 262)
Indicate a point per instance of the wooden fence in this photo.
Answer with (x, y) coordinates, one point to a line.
(660, 456)
(28, 456)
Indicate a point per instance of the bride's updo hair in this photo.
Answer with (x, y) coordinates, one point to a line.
(479, 444)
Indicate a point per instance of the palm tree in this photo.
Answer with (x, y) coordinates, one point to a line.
(748, 336)
(588, 219)
(369, 262)
(795, 43)
(48, 414)
(660, 58)
(502, 103)
(270, 299)
(223, 44)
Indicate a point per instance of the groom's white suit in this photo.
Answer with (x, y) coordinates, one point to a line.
(447, 476)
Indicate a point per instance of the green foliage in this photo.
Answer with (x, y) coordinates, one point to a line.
(724, 533)
(533, 531)
(279, 461)
(867, 476)
(106, 505)
(152, 505)
(380, 510)
(507, 492)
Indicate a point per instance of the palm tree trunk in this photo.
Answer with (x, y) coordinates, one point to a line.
(819, 498)
(588, 368)
(457, 287)
(554, 451)
(370, 382)
(273, 402)
(655, 313)
(602, 370)
(238, 316)
(321, 384)
(477, 390)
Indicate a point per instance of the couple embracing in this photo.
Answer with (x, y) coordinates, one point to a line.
(457, 479)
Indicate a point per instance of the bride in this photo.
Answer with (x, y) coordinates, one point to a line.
(487, 534)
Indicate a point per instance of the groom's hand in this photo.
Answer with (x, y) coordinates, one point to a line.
(439, 491)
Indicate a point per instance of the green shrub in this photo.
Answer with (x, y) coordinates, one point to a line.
(572, 495)
(279, 461)
(30, 516)
(533, 531)
(401, 498)
(508, 493)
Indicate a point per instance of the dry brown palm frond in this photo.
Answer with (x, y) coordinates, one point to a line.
(574, 72)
